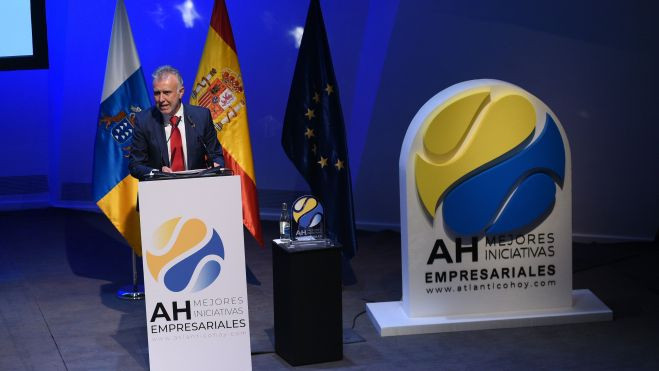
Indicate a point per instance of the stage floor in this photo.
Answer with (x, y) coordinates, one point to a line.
(60, 271)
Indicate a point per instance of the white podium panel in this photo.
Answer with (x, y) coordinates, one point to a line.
(194, 274)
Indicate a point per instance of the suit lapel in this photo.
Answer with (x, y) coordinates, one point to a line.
(162, 140)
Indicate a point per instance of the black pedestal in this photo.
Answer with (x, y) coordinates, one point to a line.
(307, 304)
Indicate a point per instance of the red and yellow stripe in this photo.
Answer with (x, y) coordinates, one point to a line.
(220, 54)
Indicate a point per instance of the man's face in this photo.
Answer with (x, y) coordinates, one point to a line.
(167, 94)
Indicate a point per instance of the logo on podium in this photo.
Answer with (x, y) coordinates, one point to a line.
(185, 254)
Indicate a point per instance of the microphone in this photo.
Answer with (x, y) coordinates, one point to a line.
(208, 159)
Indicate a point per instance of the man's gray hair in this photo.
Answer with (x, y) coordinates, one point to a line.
(162, 71)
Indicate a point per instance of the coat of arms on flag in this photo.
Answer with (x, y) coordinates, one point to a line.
(223, 95)
(120, 126)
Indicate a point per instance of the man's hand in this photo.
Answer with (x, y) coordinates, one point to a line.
(166, 169)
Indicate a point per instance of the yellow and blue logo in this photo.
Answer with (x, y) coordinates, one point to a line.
(492, 161)
(188, 252)
(307, 212)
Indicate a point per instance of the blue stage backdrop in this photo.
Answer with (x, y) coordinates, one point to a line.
(593, 62)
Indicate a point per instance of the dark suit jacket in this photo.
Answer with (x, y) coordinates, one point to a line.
(149, 150)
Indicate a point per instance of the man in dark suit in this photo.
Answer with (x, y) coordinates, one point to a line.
(172, 136)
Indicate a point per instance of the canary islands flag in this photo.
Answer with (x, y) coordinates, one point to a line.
(219, 87)
(314, 136)
(124, 94)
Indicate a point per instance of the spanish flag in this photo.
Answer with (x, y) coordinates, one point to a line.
(219, 87)
(124, 94)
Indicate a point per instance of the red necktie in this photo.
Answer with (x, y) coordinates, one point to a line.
(176, 145)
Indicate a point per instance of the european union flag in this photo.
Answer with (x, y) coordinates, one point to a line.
(314, 135)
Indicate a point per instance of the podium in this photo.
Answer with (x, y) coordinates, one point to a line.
(307, 303)
(194, 273)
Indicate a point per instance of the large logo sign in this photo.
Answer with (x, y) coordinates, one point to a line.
(485, 203)
(186, 253)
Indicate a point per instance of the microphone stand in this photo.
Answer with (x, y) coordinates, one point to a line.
(209, 160)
